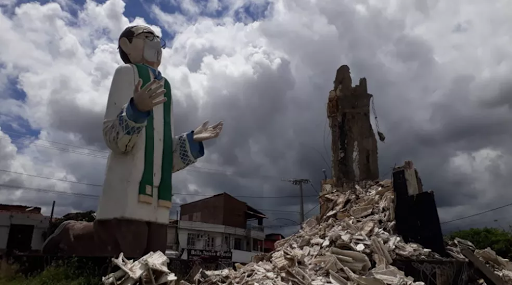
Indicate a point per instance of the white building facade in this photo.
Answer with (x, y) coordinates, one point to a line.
(22, 228)
(220, 229)
(242, 244)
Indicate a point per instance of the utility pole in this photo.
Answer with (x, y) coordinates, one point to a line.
(300, 182)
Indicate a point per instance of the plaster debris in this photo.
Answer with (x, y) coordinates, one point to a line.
(502, 267)
(337, 248)
(150, 269)
(353, 243)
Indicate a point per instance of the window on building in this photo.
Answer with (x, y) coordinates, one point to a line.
(227, 243)
(257, 245)
(184, 217)
(238, 244)
(209, 242)
(191, 240)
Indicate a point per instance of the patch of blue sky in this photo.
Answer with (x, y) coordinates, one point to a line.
(70, 6)
(137, 9)
(15, 126)
(255, 10)
(252, 12)
(18, 129)
(12, 91)
(247, 13)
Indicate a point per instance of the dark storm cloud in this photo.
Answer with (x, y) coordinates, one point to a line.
(454, 122)
(275, 119)
(284, 114)
(77, 120)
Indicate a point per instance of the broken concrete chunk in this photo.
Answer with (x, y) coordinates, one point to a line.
(379, 248)
(317, 241)
(151, 269)
(354, 260)
(336, 279)
(279, 261)
(488, 255)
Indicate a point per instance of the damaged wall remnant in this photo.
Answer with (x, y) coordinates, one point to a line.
(416, 214)
(353, 145)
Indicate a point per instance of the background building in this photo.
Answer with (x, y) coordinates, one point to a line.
(270, 240)
(220, 229)
(173, 245)
(22, 228)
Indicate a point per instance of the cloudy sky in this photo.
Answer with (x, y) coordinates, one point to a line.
(439, 71)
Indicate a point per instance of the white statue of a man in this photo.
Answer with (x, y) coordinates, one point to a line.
(133, 211)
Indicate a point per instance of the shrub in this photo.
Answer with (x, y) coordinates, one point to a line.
(61, 273)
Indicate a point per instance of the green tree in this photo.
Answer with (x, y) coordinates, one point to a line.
(497, 239)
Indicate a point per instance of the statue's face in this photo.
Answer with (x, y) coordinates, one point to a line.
(145, 46)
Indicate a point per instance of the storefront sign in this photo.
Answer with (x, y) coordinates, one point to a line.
(204, 253)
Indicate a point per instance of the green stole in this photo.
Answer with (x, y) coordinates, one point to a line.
(146, 183)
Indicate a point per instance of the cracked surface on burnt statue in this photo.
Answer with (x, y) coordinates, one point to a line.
(353, 144)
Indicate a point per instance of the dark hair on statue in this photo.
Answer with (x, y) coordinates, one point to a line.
(128, 33)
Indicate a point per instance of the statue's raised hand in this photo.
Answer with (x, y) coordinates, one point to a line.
(205, 132)
(148, 97)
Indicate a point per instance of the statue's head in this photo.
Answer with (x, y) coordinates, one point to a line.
(140, 44)
(345, 68)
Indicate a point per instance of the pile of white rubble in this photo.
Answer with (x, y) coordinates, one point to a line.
(336, 248)
(150, 269)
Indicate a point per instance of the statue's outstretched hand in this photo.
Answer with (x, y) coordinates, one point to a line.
(148, 97)
(205, 132)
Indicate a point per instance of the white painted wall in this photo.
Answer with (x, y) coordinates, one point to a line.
(200, 243)
(243, 256)
(171, 237)
(39, 222)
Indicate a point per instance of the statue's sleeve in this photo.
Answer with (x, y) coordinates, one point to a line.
(186, 151)
(123, 123)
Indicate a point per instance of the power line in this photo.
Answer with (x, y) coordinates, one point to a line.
(296, 223)
(62, 149)
(49, 178)
(243, 196)
(51, 191)
(313, 186)
(183, 194)
(278, 211)
(206, 228)
(325, 127)
(321, 155)
(477, 214)
(311, 209)
(28, 136)
(107, 152)
(190, 168)
(485, 221)
(93, 196)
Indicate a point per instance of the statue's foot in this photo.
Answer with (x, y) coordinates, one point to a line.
(53, 242)
(74, 238)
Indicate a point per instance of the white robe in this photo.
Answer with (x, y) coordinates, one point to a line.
(125, 164)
